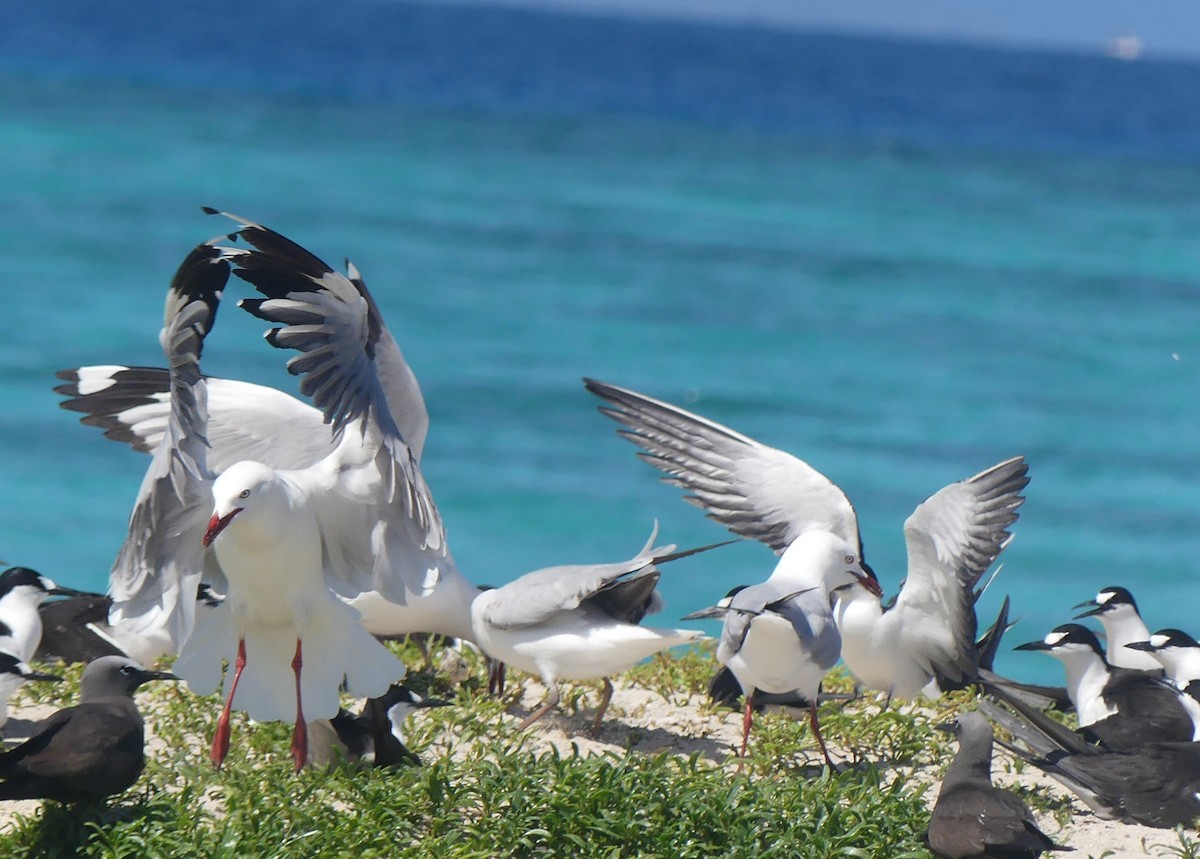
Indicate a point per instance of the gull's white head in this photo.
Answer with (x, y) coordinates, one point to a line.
(245, 493)
(824, 559)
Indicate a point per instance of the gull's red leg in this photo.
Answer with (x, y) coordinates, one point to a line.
(816, 729)
(300, 733)
(220, 743)
(747, 721)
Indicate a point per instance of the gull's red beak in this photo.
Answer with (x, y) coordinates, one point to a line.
(869, 582)
(217, 524)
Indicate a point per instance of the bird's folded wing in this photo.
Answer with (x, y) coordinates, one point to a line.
(536, 596)
(78, 741)
(335, 325)
(154, 579)
(245, 421)
(953, 537)
(755, 491)
(808, 613)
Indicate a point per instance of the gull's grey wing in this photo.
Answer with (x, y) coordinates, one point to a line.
(806, 610)
(245, 421)
(154, 579)
(953, 537)
(539, 595)
(292, 278)
(753, 490)
(380, 527)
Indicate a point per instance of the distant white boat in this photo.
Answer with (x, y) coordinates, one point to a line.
(1125, 47)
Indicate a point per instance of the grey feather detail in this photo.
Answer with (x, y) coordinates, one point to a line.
(335, 323)
(158, 569)
(245, 421)
(806, 610)
(622, 590)
(755, 491)
(953, 537)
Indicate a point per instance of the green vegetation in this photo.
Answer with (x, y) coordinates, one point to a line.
(487, 790)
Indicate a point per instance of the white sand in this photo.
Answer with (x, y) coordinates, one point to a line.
(645, 721)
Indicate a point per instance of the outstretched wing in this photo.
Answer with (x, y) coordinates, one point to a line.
(380, 527)
(753, 490)
(154, 579)
(245, 421)
(953, 537)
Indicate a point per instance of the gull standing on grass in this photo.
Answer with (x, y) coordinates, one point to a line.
(579, 622)
(779, 636)
(927, 637)
(278, 537)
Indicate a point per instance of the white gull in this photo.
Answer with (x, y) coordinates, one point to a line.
(771, 496)
(280, 537)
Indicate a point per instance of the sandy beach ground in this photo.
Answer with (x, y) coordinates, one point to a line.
(643, 720)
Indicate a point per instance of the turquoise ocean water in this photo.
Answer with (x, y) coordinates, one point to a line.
(902, 262)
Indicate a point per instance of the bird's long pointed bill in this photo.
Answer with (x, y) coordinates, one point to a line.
(1142, 645)
(705, 613)
(42, 675)
(1092, 613)
(59, 591)
(147, 676)
(217, 524)
(1033, 645)
(431, 702)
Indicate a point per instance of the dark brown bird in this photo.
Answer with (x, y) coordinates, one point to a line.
(973, 817)
(85, 753)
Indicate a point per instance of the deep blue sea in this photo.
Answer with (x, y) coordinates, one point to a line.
(900, 261)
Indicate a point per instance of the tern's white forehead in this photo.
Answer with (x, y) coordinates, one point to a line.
(1053, 638)
(1104, 597)
(1159, 640)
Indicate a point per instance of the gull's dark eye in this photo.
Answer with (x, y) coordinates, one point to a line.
(245, 493)
(126, 669)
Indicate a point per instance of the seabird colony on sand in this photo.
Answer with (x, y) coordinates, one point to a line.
(279, 538)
